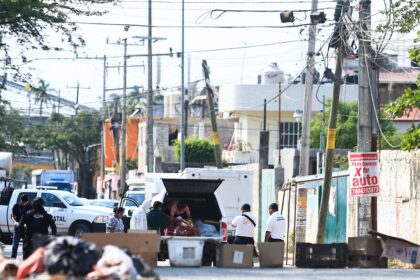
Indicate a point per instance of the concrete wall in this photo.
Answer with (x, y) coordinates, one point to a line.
(399, 201)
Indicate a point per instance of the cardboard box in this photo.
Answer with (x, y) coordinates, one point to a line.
(399, 248)
(145, 244)
(235, 256)
(271, 254)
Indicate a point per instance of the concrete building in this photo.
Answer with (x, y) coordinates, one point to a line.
(166, 130)
(246, 104)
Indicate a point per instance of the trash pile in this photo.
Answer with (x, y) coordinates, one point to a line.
(75, 258)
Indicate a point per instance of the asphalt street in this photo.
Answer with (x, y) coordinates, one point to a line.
(166, 272)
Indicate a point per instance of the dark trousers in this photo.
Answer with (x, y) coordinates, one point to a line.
(274, 240)
(16, 240)
(27, 247)
(244, 240)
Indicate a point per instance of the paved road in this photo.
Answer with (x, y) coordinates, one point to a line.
(168, 273)
(286, 273)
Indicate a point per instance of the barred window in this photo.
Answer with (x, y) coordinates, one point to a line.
(290, 134)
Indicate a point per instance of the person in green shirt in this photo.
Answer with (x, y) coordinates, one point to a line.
(156, 218)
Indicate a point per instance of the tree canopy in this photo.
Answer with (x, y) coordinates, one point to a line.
(12, 130)
(26, 23)
(197, 150)
(346, 137)
(404, 18)
(77, 136)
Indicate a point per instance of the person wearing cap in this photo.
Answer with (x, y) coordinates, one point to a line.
(138, 218)
(34, 222)
(276, 225)
(244, 226)
(115, 224)
(18, 210)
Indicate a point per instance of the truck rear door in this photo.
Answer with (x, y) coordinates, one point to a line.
(199, 195)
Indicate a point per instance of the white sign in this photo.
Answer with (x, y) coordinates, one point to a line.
(364, 179)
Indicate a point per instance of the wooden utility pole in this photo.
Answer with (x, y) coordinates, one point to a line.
(364, 135)
(306, 120)
(104, 107)
(336, 41)
(149, 124)
(78, 88)
(123, 170)
(210, 97)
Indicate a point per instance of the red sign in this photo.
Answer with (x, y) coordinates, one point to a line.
(364, 179)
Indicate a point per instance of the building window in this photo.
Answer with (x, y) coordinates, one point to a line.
(290, 134)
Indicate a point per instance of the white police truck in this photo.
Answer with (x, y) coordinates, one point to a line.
(70, 214)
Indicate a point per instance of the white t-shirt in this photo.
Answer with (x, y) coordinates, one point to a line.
(276, 225)
(244, 227)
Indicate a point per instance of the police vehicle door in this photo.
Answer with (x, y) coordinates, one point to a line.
(56, 208)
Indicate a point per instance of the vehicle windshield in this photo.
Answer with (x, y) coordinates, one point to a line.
(61, 186)
(107, 204)
(72, 200)
(138, 197)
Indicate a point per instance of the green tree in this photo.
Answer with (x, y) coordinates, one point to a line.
(11, 130)
(27, 23)
(132, 164)
(404, 17)
(41, 94)
(346, 133)
(77, 136)
(197, 150)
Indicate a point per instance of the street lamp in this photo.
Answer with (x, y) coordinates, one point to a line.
(298, 115)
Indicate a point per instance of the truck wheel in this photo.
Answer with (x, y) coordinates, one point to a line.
(78, 229)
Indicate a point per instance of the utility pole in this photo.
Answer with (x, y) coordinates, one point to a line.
(279, 132)
(123, 123)
(149, 125)
(307, 110)
(186, 109)
(306, 120)
(364, 135)
(337, 41)
(210, 97)
(183, 116)
(78, 88)
(102, 173)
(263, 164)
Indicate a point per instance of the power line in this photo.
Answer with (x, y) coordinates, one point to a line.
(196, 26)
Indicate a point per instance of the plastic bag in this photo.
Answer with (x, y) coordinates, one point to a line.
(71, 256)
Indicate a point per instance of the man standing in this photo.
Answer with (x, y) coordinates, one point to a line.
(245, 226)
(138, 219)
(18, 210)
(276, 225)
(34, 222)
(157, 219)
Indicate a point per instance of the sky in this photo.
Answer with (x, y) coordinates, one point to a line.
(286, 46)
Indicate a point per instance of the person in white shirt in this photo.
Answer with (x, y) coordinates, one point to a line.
(245, 226)
(276, 225)
(138, 218)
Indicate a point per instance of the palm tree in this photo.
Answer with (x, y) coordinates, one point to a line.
(41, 94)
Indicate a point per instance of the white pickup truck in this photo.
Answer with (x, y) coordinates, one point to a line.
(69, 213)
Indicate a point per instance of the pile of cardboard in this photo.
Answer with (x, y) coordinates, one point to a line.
(366, 252)
(141, 244)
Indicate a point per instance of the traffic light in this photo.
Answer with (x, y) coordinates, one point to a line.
(287, 17)
(318, 17)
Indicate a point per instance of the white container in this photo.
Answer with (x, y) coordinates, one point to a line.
(185, 251)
